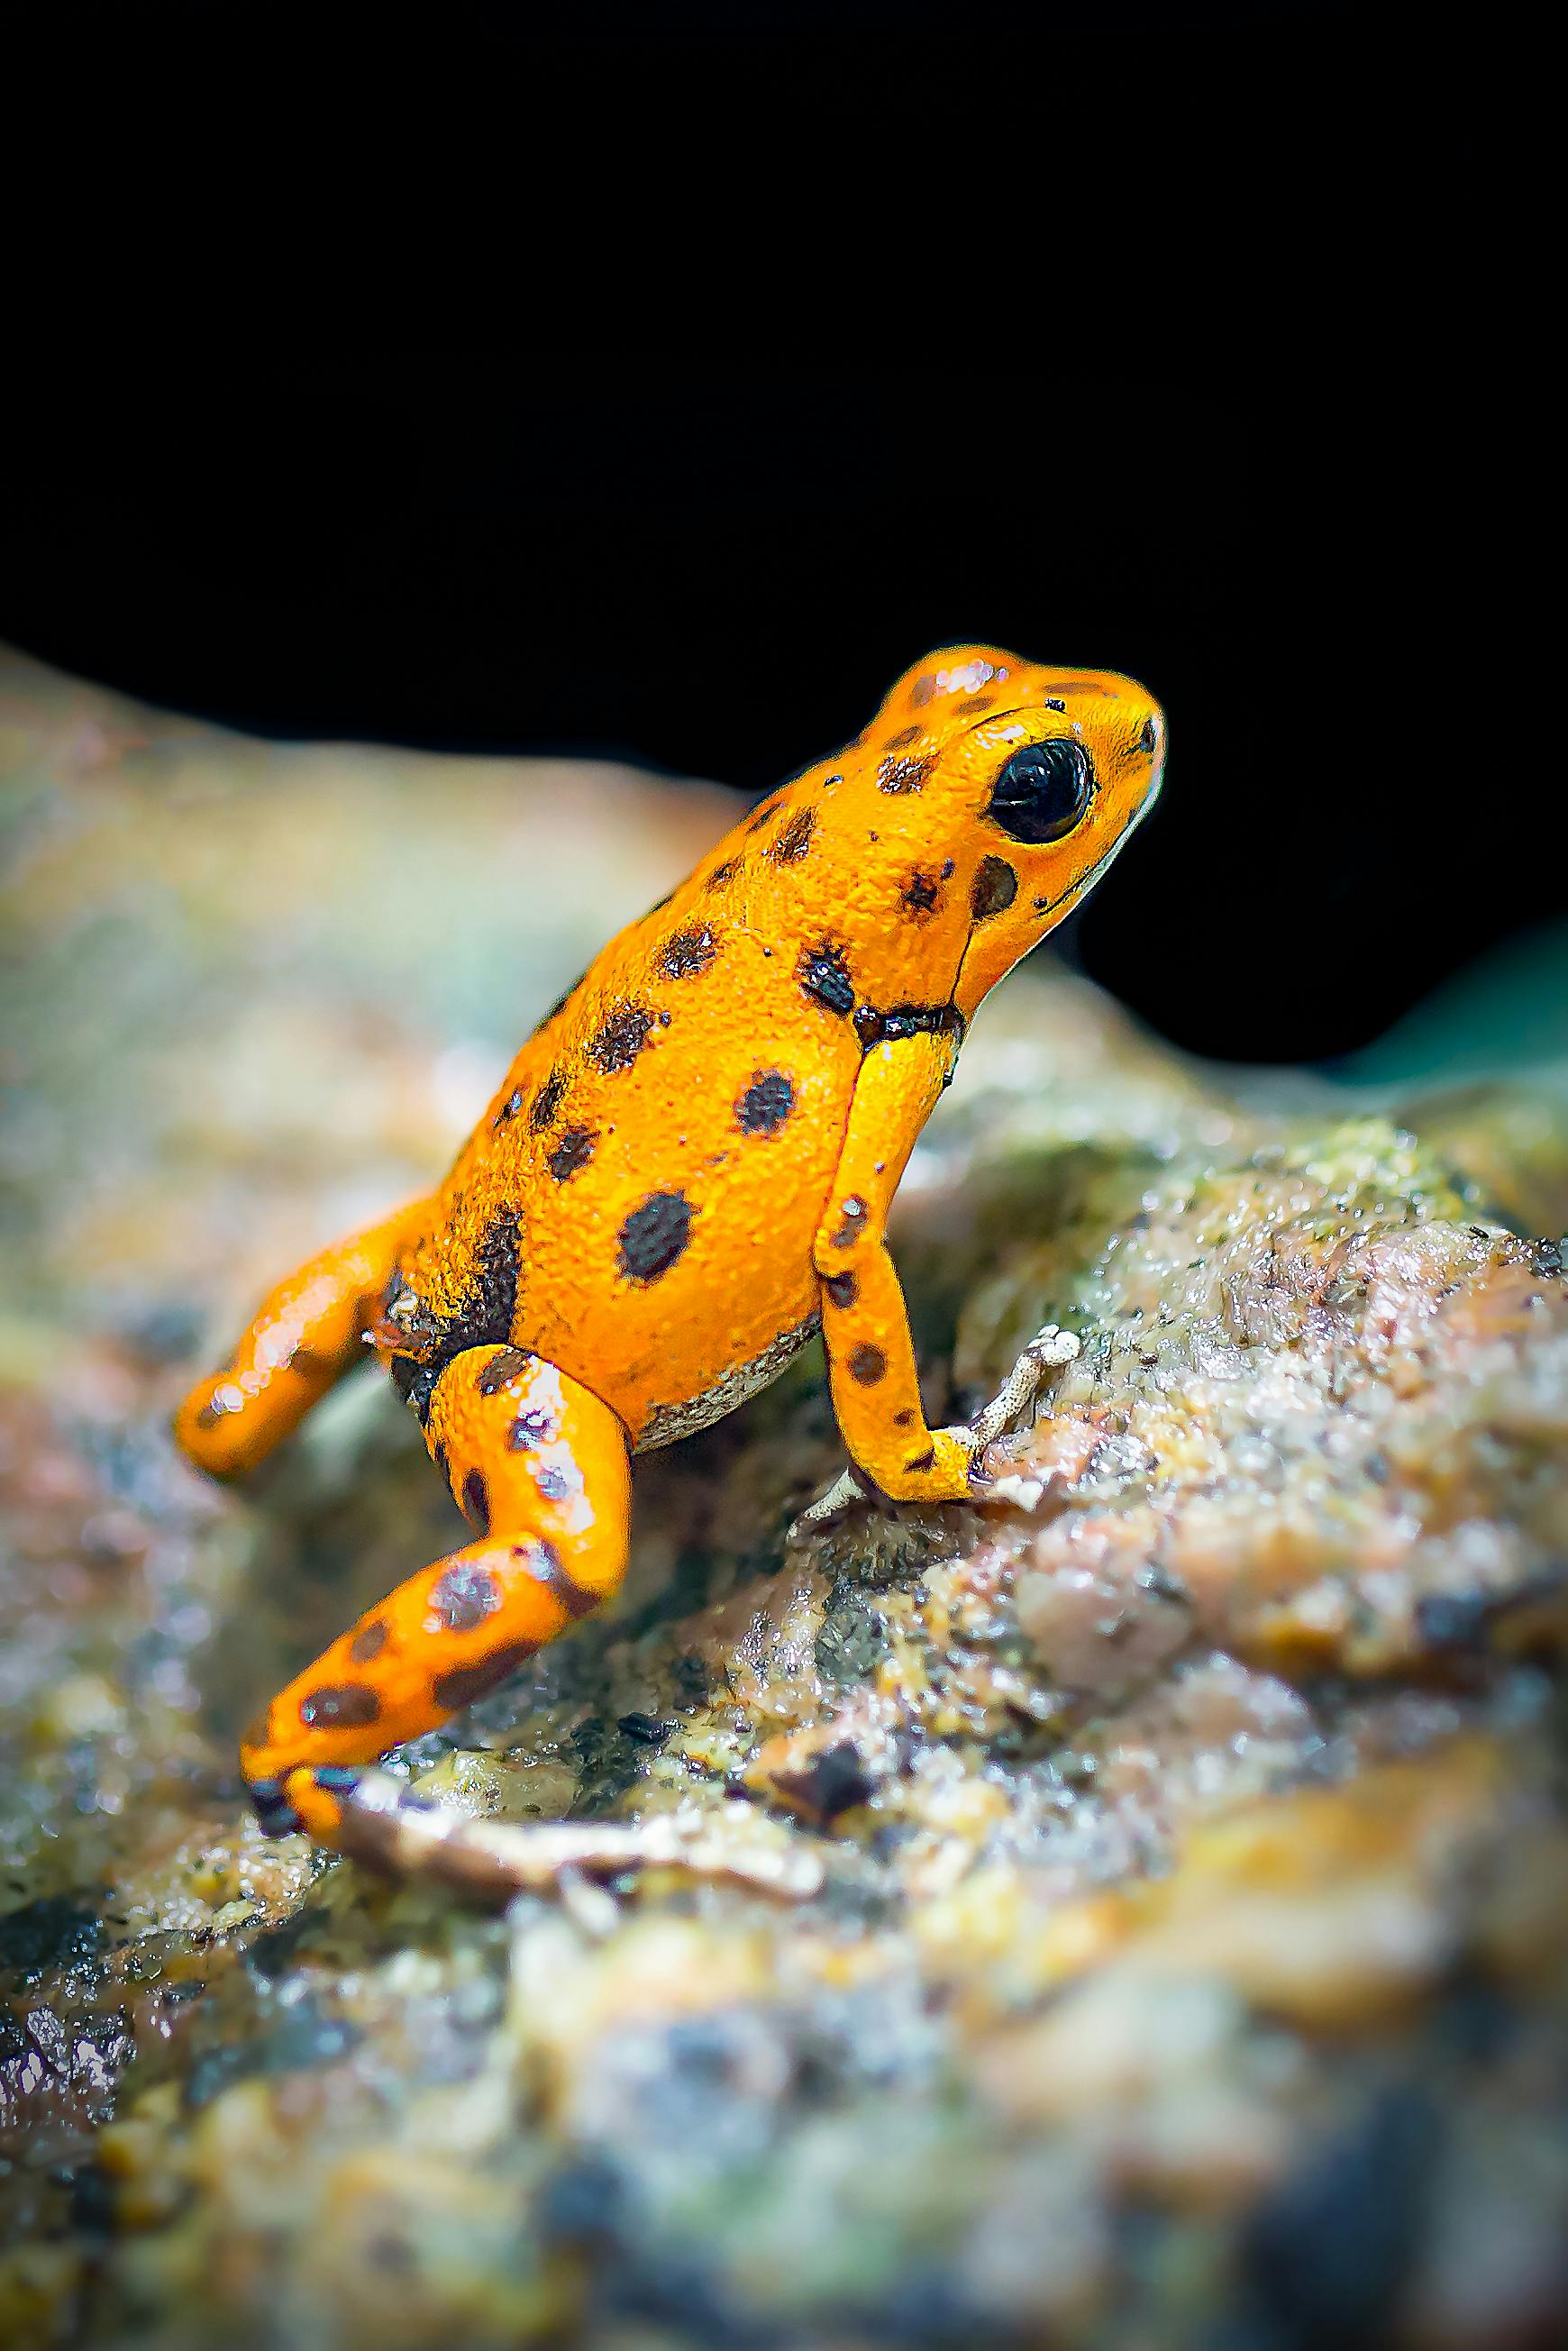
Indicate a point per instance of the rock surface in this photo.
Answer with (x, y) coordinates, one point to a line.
(1189, 1963)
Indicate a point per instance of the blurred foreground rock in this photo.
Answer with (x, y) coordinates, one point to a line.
(1189, 1968)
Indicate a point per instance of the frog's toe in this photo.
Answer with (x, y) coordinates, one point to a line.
(1049, 1349)
(848, 1493)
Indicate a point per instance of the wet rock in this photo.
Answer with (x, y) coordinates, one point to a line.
(1188, 1965)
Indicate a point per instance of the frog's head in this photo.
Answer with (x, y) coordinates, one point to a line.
(1031, 778)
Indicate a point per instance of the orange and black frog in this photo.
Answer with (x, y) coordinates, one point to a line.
(686, 1173)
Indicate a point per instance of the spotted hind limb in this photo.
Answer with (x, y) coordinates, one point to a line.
(539, 1467)
(307, 1334)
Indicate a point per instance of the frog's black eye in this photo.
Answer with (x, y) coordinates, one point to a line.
(1150, 736)
(1042, 792)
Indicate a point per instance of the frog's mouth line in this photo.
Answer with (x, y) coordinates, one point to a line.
(1085, 881)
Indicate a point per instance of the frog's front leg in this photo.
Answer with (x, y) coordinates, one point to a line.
(540, 1466)
(866, 1323)
(307, 1334)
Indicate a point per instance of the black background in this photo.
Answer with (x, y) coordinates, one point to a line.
(733, 358)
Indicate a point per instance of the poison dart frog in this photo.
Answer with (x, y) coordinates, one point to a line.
(685, 1175)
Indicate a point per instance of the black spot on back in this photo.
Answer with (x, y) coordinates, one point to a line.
(620, 1038)
(723, 875)
(689, 951)
(794, 839)
(654, 1236)
(901, 741)
(571, 1154)
(825, 977)
(995, 887)
(896, 775)
(763, 811)
(766, 1103)
(547, 1100)
(921, 894)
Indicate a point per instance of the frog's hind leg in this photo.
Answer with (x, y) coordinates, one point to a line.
(540, 1466)
(306, 1334)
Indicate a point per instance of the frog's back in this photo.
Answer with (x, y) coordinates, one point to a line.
(638, 1204)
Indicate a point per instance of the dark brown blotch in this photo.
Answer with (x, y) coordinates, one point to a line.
(852, 1216)
(995, 887)
(922, 690)
(766, 1103)
(476, 1500)
(690, 951)
(654, 1236)
(868, 1364)
(531, 1429)
(905, 1419)
(367, 1642)
(464, 1596)
(507, 1364)
(621, 1037)
(571, 1154)
(721, 876)
(794, 838)
(896, 775)
(922, 1460)
(922, 893)
(843, 1288)
(825, 977)
(902, 740)
(764, 810)
(338, 1706)
(465, 1683)
(547, 1101)
(545, 1565)
(975, 702)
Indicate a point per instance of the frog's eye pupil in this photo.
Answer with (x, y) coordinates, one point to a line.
(1150, 736)
(1043, 792)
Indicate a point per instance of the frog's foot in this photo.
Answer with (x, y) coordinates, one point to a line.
(836, 1503)
(959, 1472)
(376, 1820)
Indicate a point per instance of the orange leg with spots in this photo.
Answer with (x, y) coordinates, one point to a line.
(309, 1332)
(539, 1467)
(866, 1323)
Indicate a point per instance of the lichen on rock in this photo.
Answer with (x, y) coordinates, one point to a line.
(1188, 1961)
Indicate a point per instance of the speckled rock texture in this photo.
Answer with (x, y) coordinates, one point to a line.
(1189, 1965)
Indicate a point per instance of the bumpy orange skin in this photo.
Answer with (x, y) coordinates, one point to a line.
(687, 1168)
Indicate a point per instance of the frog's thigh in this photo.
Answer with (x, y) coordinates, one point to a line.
(306, 1334)
(866, 1323)
(540, 1466)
